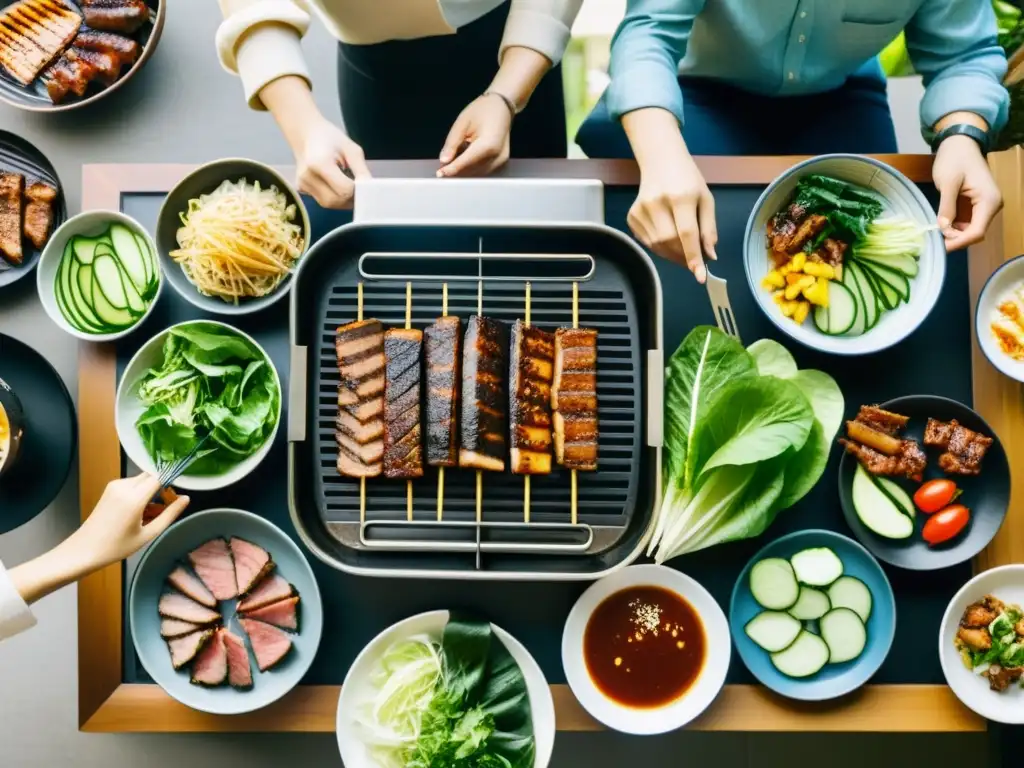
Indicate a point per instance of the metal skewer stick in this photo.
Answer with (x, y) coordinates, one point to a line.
(572, 475)
(479, 472)
(408, 326)
(526, 478)
(362, 480)
(440, 470)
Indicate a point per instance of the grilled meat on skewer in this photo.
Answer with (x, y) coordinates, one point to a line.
(39, 212)
(359, 428)
(530, 372)
(124, 16)
(574, 398)
(965, 448)
(442, 346)
(484, 419)
(403, 442)
(33, 33)
(12, 186)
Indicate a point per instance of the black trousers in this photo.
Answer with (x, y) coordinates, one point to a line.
(400, 98)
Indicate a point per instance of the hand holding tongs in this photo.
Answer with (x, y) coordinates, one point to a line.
(719, 296)
(172, 470)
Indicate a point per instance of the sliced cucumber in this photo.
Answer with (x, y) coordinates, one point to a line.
(844, 634)
(773, 631)
(773, 584)
(805, 657)
(886, 293)
(851, 283)
(891, 277)
(85, 247)
(107, 276)
(899, 497)
(850, 592)
(872, 308)
(119, 317)
(876, 510)
(811, 605)
(838, 317)
(817, 567)
(904, 263)
(131, 256)
(136, 304)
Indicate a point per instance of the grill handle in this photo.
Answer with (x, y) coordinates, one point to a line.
(297, 395)
(655, 398)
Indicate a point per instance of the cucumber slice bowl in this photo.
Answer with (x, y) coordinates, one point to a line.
(99, 276)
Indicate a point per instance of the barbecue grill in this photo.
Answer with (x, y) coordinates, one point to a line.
(418, 249)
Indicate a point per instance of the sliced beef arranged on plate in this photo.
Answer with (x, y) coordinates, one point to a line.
(214, 565)
(269, 643)
(252, 563)
(210, 666)
(191, 586)
(239, 669)
(171, 628)
(283, 614)
(271, 590)
(174, 605)
(184, 649)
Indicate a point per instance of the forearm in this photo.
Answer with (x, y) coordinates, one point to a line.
(290, 101)
(520, 73)
(65, 563)
(654, 136)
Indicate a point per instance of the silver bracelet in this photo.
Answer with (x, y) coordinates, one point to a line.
(512, 108)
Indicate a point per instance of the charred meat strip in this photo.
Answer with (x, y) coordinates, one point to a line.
(269, 644)
(283, 614)
(791, 229)
(71, 73)
(270, 590)
(403, 437)
(441, 343)
(39, 212)
(909, 461)
(124, 49)
(359, 428)
(213, 564)
(184, 649)
(107, 66)
(12, 186)
(874, 438)
(574, 398)
(124, 16)
(881, 420)
(531, 368)
(964, 447)
(189, 585)
(211, 663)
(174, 605)
(33, 33)
(239, 671)
(484, 419)
(252, 563)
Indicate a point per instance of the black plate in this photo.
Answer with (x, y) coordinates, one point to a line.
(987, 495)
(51, 434)
(18, 156)
(34, 98)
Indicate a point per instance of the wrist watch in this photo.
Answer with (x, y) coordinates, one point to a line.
(984, 138)
(513, 108)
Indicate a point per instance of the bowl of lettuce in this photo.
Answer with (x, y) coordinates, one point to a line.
(445, 689)
(199, 381)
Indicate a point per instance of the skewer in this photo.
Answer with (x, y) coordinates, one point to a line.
(408, 325)
(573, 505)
(479, 472)
(362, 480)
(440, 470)
(526, 478)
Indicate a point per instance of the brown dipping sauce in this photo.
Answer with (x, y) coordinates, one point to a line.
(644, 646)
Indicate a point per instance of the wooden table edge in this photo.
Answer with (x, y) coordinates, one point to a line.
(108, 705)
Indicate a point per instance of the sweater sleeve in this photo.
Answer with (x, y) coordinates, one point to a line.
(952, 43)
(541, 25)
(15, 615)
(259, 40)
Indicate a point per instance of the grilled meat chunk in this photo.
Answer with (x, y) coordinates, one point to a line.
(531, 369)
(975, 638)
(359, 428)
(211, 663)
(881, 420)
(174, 605)
(33, 33)
(39, 212)
(239, 671)
(12, 186)
(1000, 678)
(184, 649)
(977, 615)
(269, 644)
(124, 16)
(909, 462)
(875, 441)
(283, 614)
(790, 230)
(71, 73)
(867, 435)
(403, 437)
(106, 66)
(171, 628)
(965, 448)
(442, 341)
(189, 585)
(270, 590)
(213, 564)
(252, 563)
(484, 418)
(124, 49)
(574, 398)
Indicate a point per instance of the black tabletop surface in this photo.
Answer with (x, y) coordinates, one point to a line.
(936, 359)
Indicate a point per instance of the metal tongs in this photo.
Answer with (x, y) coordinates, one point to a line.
(172, 470)
(719, 296)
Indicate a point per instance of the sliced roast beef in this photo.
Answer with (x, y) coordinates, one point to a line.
(211, 664)
(212, 561)
(171, 628)
(270, 590)
(269, 644)
(252, 563)
(187, 583)
(174, 605)
(184, 649)
(239, 671)
(283, 614)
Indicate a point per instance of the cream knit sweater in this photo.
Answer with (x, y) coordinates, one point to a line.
(260, 39)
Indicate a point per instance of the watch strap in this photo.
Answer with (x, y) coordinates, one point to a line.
(983, 138)
(513, 109)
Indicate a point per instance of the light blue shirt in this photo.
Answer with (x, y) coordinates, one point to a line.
(792, 47)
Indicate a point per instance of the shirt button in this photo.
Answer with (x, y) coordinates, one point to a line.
(803, 14)
(792, 76)
(802, 39)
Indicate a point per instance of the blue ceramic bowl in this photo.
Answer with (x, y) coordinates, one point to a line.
(835, 679)
(148, 584)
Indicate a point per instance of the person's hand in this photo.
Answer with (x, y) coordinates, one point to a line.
(117, 528)
(322, 154)
(483, 128)
(961, 173)
(674, 214)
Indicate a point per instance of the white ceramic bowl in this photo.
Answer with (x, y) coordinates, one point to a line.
(902, 197)
(1009, 276)
(128, 408)
(697, 697)
(88, 224)
(1006, 583)
(356, 688)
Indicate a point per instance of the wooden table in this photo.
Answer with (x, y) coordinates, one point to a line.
(107, 704)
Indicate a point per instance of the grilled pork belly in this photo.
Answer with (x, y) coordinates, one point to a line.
(283, 614)
(213, 564)
(531, 369)
(12, 186)
(252, 563)
(211, 663)
(239, 671)
(574, 398)
(71, 73)
(964, 448)
(269, 644)
(403, 442)
(359, 428)
(270, 590)
(184, 649)
(107, 66)
(174, 605)
(124, 16)
(39, 212)
(875, 439)
(124, 49)
(442, 341)
(189, 585)
(909, 460)
(484, 417)
(881, 420)
(33, 33)
(171, 628)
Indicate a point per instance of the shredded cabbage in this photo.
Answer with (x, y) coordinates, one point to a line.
(892, 236)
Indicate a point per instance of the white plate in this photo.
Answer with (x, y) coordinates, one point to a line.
(1007, 277)
(695, 700)
(902, 197)
(357, 688)
(1006, 583)
(128, 408)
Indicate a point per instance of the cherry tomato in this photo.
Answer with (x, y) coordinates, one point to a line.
(946, 524)
(935, 495)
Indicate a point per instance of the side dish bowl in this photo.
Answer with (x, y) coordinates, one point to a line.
(1008, 278)
(901, 197)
